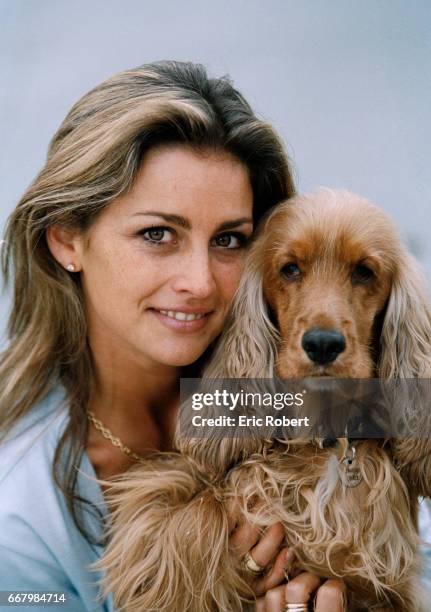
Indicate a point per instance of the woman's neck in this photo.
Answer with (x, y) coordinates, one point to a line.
(137, 403)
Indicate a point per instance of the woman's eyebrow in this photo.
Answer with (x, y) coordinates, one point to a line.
(177, 219)
(186, 224)
(235, 223)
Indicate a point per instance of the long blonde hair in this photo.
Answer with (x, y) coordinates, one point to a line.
(92, 159)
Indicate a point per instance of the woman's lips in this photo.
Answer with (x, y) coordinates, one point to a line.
(187, 320)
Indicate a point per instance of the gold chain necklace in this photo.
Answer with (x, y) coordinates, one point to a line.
(106, 433)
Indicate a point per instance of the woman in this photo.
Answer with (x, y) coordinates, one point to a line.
(126, 252)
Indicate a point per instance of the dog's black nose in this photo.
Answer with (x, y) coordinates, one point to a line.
(323, 346)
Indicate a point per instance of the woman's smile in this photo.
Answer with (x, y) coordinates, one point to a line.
(184, 320)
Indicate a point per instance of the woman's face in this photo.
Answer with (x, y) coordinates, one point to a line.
(160, 265)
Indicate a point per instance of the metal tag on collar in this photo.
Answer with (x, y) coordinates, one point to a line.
(350, 472)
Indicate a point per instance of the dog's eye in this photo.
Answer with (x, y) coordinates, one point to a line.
(291, 271)
(362, 274)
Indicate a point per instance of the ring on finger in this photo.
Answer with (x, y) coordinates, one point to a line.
(251, 567)
(296, 607)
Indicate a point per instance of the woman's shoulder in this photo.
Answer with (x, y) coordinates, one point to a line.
(27, 485)
(29, 447)
(30, 495)
(425, 534)
(40, 545)
(425, 528)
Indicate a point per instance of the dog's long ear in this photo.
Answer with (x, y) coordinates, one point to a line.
(405, 343)
(168, 541)
(406, 353)
(248, 346)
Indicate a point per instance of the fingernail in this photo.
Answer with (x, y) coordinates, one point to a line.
(290, 556)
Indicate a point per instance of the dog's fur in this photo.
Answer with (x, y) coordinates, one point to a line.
(170, 532)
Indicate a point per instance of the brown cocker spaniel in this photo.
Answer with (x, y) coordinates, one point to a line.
(328, 290)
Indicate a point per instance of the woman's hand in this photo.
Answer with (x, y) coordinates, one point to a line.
(273, 594)
(328, 595)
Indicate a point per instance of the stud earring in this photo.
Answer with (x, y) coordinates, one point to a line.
(70, 267)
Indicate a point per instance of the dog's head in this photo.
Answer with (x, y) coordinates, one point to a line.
(329, 290)
(330, 260)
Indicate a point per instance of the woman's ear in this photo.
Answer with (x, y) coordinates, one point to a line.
(405, 342)
(66, 246)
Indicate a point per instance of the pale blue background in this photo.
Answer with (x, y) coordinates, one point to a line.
(347, 83)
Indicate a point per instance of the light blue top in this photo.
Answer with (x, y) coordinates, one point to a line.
(41, 548)
(425, 533)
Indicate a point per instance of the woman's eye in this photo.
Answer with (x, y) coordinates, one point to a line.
(230, 241)
(158, 235)
(361, 274)
(291, 271)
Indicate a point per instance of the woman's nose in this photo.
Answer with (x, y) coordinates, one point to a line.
(196, 276)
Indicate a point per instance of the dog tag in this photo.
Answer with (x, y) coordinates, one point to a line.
(350, 473)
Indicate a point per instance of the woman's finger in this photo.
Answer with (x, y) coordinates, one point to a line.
(244, 538)
(277, 573)
(273, 601)
(233, 509)
(260, 605)
(331, 597)
(269, 545)
(245, 535)
(299, 589)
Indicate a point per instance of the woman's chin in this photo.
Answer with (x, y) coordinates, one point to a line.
(179, 358)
